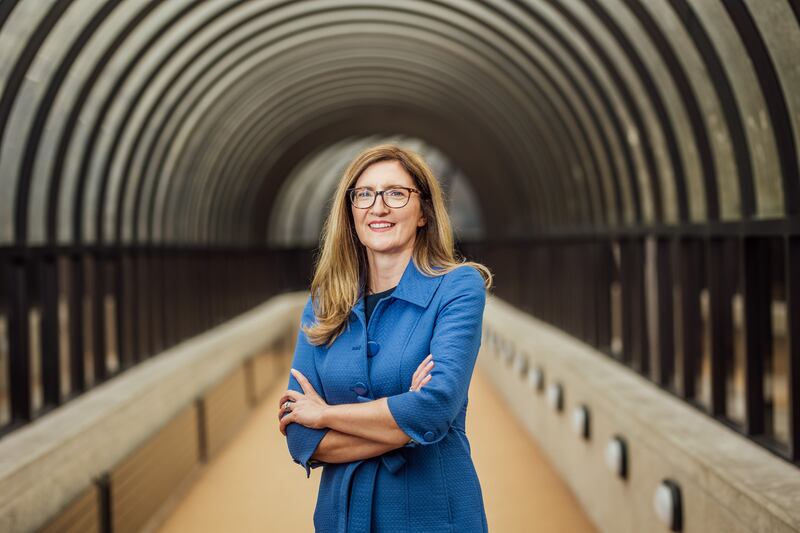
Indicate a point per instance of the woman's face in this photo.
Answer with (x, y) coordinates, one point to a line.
(402, 222)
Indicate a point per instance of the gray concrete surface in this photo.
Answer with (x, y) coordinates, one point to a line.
(727, 482)
(44, 465)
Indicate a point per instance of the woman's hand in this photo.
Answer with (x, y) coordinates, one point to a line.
(306, 408)
(421, 375)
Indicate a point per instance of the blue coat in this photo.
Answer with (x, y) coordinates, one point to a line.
(430, 484)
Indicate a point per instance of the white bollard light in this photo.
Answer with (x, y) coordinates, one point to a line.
(667, 504)
(535, 378)
(580, 421)
(617, 456)
(555, 396)
(521, 364)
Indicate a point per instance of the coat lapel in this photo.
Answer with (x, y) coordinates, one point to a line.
(415, 287)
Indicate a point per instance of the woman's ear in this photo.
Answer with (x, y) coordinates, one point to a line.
(422, 221)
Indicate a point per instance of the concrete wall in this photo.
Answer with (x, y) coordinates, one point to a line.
(727, 483)
(47, 464)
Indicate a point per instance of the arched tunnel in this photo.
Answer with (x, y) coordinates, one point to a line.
(628, 170)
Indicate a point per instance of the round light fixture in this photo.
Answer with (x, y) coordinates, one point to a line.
(667, 504)
(617, 456)
(580, 421)
(555, 396)
(521, 364)
(535, 378)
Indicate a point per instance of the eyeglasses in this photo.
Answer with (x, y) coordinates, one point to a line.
(393, 197)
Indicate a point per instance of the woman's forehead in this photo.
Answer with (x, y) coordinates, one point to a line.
(384, 174)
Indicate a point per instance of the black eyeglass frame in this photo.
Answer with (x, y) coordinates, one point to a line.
(410, 190)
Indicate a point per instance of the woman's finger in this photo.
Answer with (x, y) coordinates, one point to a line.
(417, 370)
(425, 371)
(303, 381)
(421, 369)
(285, 421)
(290, 395)
(282, 409)
(421, 366)
(424, 381)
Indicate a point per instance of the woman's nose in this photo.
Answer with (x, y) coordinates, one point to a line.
(379, 206)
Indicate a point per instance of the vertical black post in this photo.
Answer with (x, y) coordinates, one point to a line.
(19, 374)
(755, 270)
(158, 299)
(523, 276)
(793, 330)
(105, 510)
(602, 282)
(186, 311)
(692, 322)
(76, 340)
(589, 261)
(194, 300)
(49, 335)
(98, 314)
(120, 310)
(202, 431)
(212, 281)
(143, 304)
(548, 258)
(578, 292)
(641, 337)
(628, 284)
(129, 307)
(170, 298)
(720, 322)
(153, 289)
(666, 313)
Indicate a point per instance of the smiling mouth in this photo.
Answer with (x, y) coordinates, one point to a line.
(381, 225)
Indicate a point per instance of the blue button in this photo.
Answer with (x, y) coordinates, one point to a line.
(360, 389)
(429, 436)
(373, 348)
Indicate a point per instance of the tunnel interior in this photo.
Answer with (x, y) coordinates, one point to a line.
(627, 168)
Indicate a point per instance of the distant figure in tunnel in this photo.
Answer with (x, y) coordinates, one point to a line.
(378, 387)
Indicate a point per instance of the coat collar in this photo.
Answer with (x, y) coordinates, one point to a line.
(414, 286)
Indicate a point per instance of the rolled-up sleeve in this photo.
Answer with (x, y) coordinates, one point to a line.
(426, 415)
(303, 441)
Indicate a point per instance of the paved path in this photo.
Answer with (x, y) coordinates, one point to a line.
(253, 486)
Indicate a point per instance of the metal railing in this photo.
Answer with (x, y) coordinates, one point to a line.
(709, 313)
(72, 318)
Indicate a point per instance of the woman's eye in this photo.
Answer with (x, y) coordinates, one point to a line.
(396, 193)
(364, 194)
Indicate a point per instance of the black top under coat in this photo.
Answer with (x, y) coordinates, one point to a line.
(372, 300)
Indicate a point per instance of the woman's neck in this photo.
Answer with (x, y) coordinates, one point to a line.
(385, 270)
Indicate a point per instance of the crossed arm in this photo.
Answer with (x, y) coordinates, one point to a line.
(357, 430)
(345, 433)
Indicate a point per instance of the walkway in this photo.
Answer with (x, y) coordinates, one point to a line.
(253, 486)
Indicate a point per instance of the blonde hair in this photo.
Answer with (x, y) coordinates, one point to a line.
(342, 262)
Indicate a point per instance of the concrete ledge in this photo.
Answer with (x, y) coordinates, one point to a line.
(727, 482)
(46, 464)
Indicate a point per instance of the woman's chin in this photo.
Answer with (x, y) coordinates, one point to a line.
(383, 247)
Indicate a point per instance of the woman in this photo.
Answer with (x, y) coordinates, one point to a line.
(378, 389)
